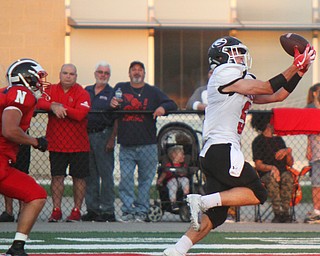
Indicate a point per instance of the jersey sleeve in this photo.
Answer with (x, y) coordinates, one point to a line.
(20, 98)
(81, 108)
(227, 74)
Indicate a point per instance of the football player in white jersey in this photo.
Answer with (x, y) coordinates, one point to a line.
(230, 181)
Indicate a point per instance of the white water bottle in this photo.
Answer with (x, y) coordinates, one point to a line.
(118, 95)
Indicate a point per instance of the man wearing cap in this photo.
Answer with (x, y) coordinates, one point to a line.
(138, 140)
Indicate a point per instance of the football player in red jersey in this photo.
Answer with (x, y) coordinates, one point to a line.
(17, 103)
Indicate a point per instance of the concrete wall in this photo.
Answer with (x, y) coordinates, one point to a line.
(286, 11)
(32, 29)
(192, 11)
(144, 10)
(110, 10)
(117, 47)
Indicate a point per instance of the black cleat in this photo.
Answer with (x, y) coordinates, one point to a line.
(16, 252)
(106, 217)
(6, 217)
(89, 216)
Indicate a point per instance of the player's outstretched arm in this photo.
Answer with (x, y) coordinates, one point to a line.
(279, 87)
(258, 87)
(283, 84)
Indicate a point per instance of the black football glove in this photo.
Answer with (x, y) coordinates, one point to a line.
(42, 144)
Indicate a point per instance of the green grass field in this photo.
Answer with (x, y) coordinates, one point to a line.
(137, 242)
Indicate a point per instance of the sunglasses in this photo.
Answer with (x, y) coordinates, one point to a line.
(101, 72)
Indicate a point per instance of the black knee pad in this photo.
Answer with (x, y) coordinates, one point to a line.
(217, 215)
(259, 190)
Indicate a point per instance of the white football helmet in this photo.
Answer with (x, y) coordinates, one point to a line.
(225, 50)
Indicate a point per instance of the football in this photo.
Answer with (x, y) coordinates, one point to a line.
(290, 40)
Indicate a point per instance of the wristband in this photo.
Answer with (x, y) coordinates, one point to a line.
(195, 105)
(277, 82)
(292, 83)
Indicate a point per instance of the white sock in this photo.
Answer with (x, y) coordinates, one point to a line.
(183, 245)
(212, 200)
(21, 237)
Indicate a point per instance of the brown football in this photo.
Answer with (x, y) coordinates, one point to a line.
(290, 40)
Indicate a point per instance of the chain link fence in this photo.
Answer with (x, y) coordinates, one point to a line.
(169, 129)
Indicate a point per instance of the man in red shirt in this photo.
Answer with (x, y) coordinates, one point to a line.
(67, 136)
(17, 103)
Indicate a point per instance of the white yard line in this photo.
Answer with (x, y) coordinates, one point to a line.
(86, 247)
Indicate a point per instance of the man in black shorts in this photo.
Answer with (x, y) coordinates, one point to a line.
(68, 104)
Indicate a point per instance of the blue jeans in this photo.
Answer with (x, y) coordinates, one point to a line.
(145, 157)
(100, 184)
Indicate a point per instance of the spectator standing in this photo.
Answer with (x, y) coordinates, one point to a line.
(199, 98)
(313, 155)
(174, 175)
(230, 180)
(271, 158)
(101, 130)
(67, 136)
(137, 138)
(18, 101)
